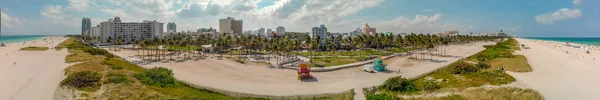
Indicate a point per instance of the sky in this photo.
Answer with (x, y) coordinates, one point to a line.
(526, 18)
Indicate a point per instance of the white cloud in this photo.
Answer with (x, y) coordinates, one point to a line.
(561, 14)
(78, 5)
(54, 12)
(10, 21)
(419, 24)
(576, 2)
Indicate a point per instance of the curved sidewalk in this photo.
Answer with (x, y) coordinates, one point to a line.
(260, 80)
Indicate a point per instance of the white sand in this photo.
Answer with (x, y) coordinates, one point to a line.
(228, 75)
(558, 75)
(36, 74)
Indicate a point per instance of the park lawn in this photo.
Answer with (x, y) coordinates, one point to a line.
(517, 64)
(362, 53)
(34, 48)
(399, 50)
(334, 61)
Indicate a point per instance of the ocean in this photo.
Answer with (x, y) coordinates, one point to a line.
(580, 40)
(19, 38)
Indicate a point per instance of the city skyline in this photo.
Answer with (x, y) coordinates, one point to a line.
(554, 18)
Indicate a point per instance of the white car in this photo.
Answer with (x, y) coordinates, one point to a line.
(368, 68)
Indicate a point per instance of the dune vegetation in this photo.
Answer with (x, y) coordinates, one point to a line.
(34, 48)
(465, 79)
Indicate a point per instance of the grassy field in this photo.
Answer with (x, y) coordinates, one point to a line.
(362, 53)
(33, 48)
(334, 61)
(517, 64)
(463, 74)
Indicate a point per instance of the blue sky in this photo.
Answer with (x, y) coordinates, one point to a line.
(547, 18)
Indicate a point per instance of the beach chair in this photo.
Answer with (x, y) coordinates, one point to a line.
(304, 71)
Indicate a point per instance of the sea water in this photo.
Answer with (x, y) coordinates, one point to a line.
(19, 38)
(580, 40)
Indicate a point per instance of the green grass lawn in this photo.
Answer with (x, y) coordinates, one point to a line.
(517, 64)
(34, 48)
(333, 61)
(343, 53)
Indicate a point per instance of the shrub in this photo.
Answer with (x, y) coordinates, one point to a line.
(382, 97)
(399, 84)
(462, 67)
(483, 65)
(83, 79)
(430, 85)
(158, 76)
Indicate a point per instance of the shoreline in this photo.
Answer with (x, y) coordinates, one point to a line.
(31, 75)
(559, 41)
(560, 72)
(37, 37)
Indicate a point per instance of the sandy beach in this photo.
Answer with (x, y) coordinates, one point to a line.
(559, 75)
(36, 74)
(232, 76)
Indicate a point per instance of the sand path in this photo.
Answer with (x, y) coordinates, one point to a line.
(36, 75)
(231, 76)
(560, 76)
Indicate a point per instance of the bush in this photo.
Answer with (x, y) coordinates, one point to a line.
(158, 76)
(399, 84)
(483, 65)
(382, 97)
(430, 85)
(462, 67)
(83, 79)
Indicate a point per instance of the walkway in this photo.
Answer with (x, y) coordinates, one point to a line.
(231, 76)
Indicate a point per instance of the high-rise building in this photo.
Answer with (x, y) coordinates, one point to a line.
(280, 29)
(230, 26)
(171, 27)
(86, 24)
(129, 31)
(319, 32)
(269, 31)
(261, 31)
(367, 30)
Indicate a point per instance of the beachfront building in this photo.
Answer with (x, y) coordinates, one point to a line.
(268, 34)
(320, 33)
(280, 30)
(230, 26)
(86, 24)
(171, 27)
(367, 30)
(114, 29)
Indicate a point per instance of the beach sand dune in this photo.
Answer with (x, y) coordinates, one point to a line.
(36, 74)
(558, 75)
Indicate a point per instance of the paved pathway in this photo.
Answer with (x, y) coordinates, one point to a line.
(227, 75)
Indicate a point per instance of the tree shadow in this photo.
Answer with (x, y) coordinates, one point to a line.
(310, 80)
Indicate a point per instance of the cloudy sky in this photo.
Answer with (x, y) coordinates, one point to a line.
(540, 18)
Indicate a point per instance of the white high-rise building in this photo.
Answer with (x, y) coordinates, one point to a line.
(129, 31)
(230, 26)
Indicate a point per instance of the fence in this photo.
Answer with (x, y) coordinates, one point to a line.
(345, 95)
